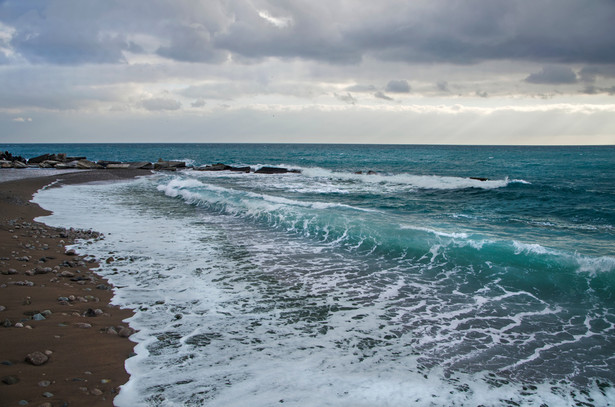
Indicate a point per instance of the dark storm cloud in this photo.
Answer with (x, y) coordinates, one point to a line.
(553, 75)
(458, 32)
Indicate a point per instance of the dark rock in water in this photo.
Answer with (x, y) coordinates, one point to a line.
(169, 165)
(480, 178)
(41, 158)
(37, 358)
(275, 170)
(6, 156)
(241, 169)
(214, 167)
(223, 167)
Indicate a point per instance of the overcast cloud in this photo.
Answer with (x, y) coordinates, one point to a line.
(143, 61)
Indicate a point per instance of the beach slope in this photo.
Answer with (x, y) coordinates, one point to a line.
(62, 343)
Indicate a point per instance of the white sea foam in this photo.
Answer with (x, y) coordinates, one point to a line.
(411, 180)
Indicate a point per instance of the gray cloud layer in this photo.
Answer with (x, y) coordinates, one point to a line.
(336, 32)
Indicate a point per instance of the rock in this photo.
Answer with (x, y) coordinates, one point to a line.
(67, 273)
(10, 380)
(44, 383)
(70, 252)
(38, 317)
(37, 358)
(275, 170)
(49, 164)
(83, 325)
(2, 308)
(479, 178)
(66, 166)
(88, 165)
(110, 330)
(119, 166)
(41, 158)
(19, 164)
(125, 332)
(214, 167)
(96, 392)
(47, 394)
(141, 165)
(169, 165)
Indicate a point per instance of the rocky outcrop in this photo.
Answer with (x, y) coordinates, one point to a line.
(223, 167)
(275, 170)
(62, 161)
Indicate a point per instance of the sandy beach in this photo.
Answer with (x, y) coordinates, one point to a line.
(63, 344)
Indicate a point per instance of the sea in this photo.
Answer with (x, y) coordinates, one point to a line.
(379, 275)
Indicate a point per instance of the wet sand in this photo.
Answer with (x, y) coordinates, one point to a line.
(84, 338)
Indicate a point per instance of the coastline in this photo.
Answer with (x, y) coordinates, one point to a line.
(52, 302)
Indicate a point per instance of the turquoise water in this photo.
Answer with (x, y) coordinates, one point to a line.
(366, 289)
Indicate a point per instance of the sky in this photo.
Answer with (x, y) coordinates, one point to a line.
(335, 71)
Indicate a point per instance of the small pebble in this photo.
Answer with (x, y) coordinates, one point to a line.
(37, 358)
(48, 394)
(44, 383)
(23, 402)
(96, 392)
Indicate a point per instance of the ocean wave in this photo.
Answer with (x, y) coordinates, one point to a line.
(369, 231)
(412, 180)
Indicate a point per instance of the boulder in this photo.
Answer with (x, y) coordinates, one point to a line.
(64, 166)
(141, 165)
(87, 165)
(41, 158)
(169, 165)
(6, 164)
(275, 170)
(49, 164)
(214, 167)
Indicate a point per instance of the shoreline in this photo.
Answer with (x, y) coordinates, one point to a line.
(54, 306)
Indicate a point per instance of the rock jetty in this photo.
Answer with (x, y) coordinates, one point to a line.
(62, 161)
